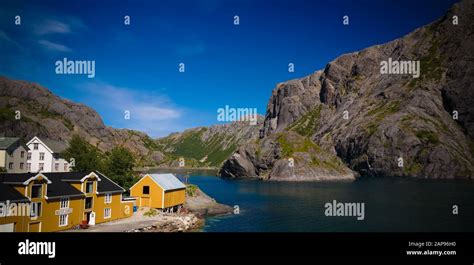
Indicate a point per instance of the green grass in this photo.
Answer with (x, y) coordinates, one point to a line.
(150, 213)
(150, 143)
(379, 113)
(191, 146)
(288, 147)
(430, 64)
(191, 190)
(427, 136)
(308, 123)
(68, 124)
(7, 114)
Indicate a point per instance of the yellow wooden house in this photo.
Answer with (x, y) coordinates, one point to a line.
(160, 191)
(60, 201)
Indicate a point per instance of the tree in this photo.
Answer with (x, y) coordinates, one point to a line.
(119, 166)
(86, 156)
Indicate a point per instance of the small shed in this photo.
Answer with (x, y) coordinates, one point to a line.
(160, 191)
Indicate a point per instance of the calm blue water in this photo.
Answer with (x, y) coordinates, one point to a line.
(391, 205)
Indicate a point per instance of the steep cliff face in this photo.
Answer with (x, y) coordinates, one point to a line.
(380, 124)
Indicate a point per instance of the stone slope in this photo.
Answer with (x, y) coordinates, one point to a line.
(390, 117)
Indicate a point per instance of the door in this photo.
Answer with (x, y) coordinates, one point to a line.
(35, 227)
(7, 227)
(145, 202)
(91, 218)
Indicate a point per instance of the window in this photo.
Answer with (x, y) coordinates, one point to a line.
(36, 191)
(41, 156)
(146, 189)
(40, 166)
(35, 210)
(63, 219)
(89, 186)
(22, 165)
(107, 213)
(88, 202)
(108, 198)
(35, 146)
(56, 166)
(10, 165)
(28, 167)
(64, 203)
(22, 154)
(28, 156)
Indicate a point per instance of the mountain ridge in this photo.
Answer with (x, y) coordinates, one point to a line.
(47, 115)
(396, 125)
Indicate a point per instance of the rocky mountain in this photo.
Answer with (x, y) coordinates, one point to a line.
(348, 119)
(46, 115)
(207, 146)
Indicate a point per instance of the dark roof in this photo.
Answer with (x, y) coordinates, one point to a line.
(8, 193)
(60, 186)
(107, 185)
(16, 178)
(54, 145)
(56, 188)
(6, 142)
(11, 144)
(70, 176)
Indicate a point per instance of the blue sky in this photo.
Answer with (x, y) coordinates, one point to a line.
(137, 65)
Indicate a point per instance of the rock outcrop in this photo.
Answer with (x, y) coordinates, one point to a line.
(376, 124)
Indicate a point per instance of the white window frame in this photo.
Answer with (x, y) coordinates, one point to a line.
(28, 156)
(66, 218)
(64, 203)
(105, 213)
(41, 156)
(108, 198)
(40, 166)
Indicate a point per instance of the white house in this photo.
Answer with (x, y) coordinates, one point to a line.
(13, 155)
(44, 156)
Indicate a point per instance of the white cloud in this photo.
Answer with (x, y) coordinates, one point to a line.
(151, 113)
(54, 46)
(51, 27)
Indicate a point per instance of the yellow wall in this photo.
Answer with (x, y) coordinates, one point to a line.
(48, 221)
(3, 153)
(20, 222)
(175, 197)
(155, 198)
